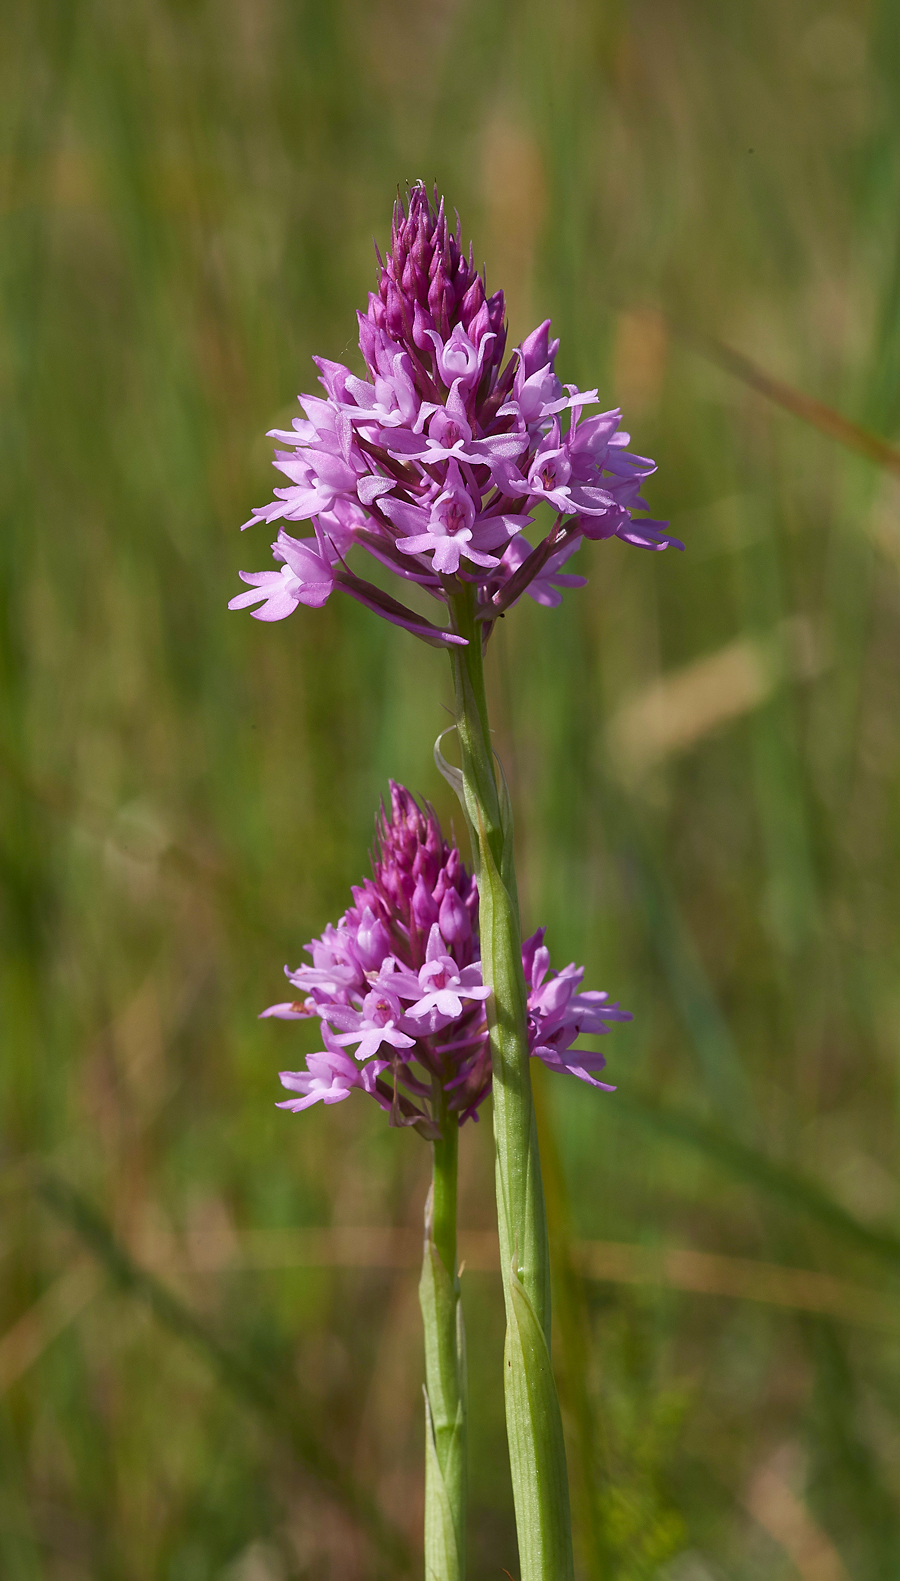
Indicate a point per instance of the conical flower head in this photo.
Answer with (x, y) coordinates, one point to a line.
(435, 463)
(398, 989)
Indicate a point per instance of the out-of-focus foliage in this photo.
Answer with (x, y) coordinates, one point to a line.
(703, 751)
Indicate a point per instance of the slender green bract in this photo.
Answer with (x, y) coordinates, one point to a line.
(445, 1367)
(534, 1425)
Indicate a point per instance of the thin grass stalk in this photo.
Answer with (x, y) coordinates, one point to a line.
(534, 1424)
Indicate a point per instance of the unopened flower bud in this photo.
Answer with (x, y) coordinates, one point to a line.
(372, 941)
(424, 908)
(472, 302)
(453, 919)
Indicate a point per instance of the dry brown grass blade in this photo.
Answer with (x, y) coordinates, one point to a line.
(809, 410)
(36, 1329)
(238, 1366)
(618, 1262)
(772, 1502)
(829, 422)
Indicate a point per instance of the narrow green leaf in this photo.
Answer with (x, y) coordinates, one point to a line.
(452, 775)
(445, 1415)
(442, 1562)
(507, 857)
(441, 1318)
(520, 1199)
(537, 1449)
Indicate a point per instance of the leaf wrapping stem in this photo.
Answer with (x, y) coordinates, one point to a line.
(445, 1367)
(534, 1425)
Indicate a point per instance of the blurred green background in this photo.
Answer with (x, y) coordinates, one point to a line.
(703, 750)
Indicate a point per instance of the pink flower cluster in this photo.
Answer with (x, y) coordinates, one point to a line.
(436, 460)
(398, 990)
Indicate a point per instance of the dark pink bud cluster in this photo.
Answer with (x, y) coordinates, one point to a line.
(397, 987)
(419, 880)
(427, 286)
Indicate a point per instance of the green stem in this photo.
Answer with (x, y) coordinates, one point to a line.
(534, 1427)
(573, 1327)
(446, 1153)
(445, 1364)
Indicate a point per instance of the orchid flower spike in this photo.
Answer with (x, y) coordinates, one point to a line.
(398, 989)
(436, 461)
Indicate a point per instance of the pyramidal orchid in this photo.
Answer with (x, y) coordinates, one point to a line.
(473, 477)
(436, 460)
(398, 991)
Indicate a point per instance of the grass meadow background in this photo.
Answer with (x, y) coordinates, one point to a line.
(208, 1372)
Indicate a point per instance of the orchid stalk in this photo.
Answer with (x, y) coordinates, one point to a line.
(399, 994)
(435, 464)
(534, 1423)
(445, 1366)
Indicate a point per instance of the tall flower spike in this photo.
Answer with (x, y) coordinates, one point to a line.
(435, 462)
(397, 987)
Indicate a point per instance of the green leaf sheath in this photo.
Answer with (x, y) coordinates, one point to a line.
(445, 1369)
(534, 1428)
(536, 1448)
